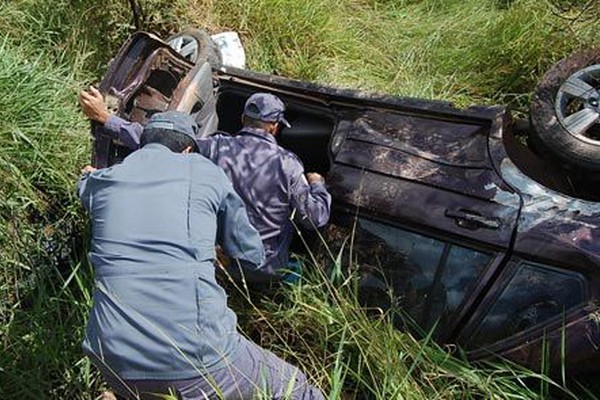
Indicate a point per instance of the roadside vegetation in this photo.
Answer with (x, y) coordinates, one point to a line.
(464, 51)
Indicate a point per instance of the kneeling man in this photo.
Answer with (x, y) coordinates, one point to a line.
(160, 322)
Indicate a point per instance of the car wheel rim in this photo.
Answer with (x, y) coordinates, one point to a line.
(185, 45)
(578, 104)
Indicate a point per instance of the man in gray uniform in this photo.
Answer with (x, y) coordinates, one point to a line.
(159, 320)
(269, 179)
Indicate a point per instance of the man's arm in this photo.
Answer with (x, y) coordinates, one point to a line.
(209, 146)
(127, 132)
(310, 200)
(83, 189)
(94, 107)
(235, 234)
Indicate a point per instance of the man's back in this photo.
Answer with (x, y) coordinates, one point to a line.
(142, 204)
(155, 221)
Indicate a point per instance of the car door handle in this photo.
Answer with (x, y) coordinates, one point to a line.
(472, 220)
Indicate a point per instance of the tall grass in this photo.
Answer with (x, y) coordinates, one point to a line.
(353, 355)
(82, 34)
(470, 51)
(43, 143)
(465, 51)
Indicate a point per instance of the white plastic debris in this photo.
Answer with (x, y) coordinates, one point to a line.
(231, 48)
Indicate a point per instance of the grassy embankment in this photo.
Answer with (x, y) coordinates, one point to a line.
(464, 51)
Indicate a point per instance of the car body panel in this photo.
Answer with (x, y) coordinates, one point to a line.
(142, 78)
(385, 165)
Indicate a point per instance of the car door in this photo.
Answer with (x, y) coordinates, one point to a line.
(423, 189)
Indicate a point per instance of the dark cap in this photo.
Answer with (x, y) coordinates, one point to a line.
(265, 107)
(174, 121)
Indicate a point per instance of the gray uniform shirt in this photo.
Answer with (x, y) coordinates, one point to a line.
(269, 179)
(158, 312)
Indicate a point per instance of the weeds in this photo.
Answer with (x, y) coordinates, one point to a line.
(462, 51)
(348, 352)
(43, 297)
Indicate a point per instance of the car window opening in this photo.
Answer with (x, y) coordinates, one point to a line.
(308, 137)
(420, 280)
(535, 294)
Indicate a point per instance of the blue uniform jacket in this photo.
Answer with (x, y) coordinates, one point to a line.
(158, 312)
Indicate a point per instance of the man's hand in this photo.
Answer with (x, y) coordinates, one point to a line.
(87, 169)
(313, 177)
(93, 105)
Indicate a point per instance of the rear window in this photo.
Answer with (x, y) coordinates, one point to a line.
(535, 294)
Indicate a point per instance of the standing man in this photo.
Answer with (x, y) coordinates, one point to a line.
(159, 320)
(269, 179)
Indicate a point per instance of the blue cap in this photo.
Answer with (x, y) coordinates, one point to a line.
(265, 107)
(173, 121)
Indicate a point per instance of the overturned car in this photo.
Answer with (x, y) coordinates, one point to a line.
(455, 221)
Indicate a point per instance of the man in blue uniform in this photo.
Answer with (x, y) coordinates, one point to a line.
(269, 179)
(159, 320)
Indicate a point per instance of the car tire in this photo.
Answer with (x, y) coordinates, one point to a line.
(565, 112)
(197, 46)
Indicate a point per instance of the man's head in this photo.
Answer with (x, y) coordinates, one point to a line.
(172, 129)
(264, 111)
